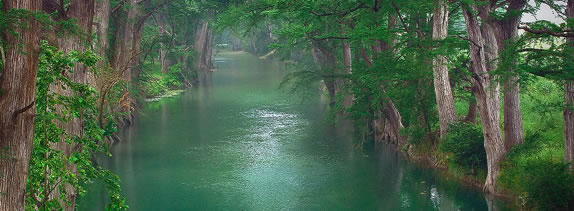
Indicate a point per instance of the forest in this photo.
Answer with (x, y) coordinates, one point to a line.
(482, 90)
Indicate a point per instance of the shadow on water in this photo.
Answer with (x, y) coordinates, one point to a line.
(236, 142)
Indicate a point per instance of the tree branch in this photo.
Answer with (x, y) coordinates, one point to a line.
(547, 31)
(342, 14)
(117, 7)
(400, 17)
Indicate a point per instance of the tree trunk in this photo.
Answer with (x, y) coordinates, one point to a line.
(392, 123)
(569, 122)
(483, 51)
(569, 101)
(121, 59)
(235, 43)
(348, 68)
(126, 51)
(165, 61)
(18, 88)
(101, 26)
(201, 33)
(471, 115)
(326, 63)
(507, 31)
(442, 88)
(83, 11)
(209, 49)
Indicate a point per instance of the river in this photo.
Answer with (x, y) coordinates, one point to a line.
(238, 142)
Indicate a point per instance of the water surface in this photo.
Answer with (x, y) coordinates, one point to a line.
(240, 143)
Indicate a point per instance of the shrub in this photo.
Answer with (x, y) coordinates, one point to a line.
(549, 185)
(536, 173)
(465, 143)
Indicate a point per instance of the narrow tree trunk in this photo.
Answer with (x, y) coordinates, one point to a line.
(507, 31)
(442, 88)
(483, 50)
(209, 49)
(569, 122)
(569, 101)
(18, 87)
(348, 68)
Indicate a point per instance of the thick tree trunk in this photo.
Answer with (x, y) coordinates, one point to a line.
(392, 122)
(569, 101)
(507, 31)
(18, 86)
(200, 45)
(164, 59)
(126, 51)
(83, 11)
(326, 63)
(442, 88)
(471, 115)
(101, 26)
(483, 51)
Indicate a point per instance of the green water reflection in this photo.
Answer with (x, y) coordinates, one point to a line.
(239, 143)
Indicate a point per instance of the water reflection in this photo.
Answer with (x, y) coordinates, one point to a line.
(238, 143)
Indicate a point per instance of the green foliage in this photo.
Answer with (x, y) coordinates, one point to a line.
(154, 83)
(465, 143)
(539, 177)
(61, 159)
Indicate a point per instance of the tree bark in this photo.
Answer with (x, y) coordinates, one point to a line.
(101, 26)
(483, 51)
(507, 31)
(165, 61)
(127, 48)
(200, 45)
(83, 11)
(471, 115)
(326, 63)
(18, 88)
(442, 88)
(569, 101)
(209, 49)
(348, 68)
(569, 122)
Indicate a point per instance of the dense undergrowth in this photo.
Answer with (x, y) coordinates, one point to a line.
(152, 82)
(534, 172)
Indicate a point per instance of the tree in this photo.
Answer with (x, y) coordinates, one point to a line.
(17, 91)
(82, 11)
(569, 98)
(442, 87)
(507, 33)
(483, 52)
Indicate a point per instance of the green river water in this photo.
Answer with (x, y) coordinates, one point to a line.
(238, 142)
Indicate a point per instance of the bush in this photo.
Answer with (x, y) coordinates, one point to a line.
(465, 143)
(535, 172)
(549, 185)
